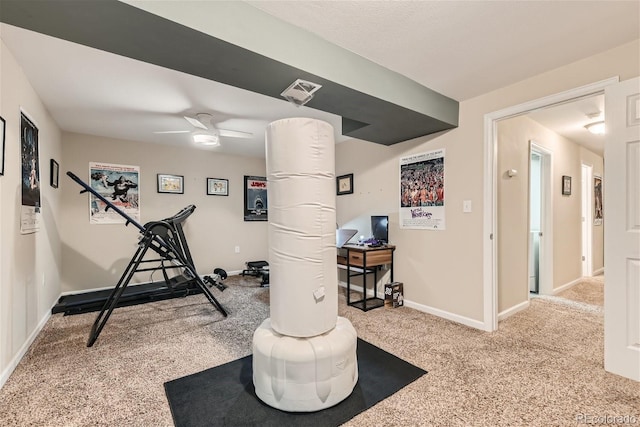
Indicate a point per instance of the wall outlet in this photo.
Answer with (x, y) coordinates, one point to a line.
(237, 249)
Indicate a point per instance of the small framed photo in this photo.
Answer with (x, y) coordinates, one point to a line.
(566, 185)
(344, 184)
(217, 187)
(55, 173)
(170, 183)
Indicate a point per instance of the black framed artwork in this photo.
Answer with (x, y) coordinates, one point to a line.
(566, 185)
(168, 183)
(255, 198)
(344, 184)
(217, 187)
(55, 173)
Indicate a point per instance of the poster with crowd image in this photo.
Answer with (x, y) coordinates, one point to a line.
(422, 191)
(30, 209)
(119, 185)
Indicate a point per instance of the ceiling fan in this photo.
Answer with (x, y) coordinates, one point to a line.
(205, 132)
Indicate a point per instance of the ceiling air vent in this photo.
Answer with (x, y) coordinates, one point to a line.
(300, 92)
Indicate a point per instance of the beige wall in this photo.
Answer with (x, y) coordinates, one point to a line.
(94, 256)
(442, 271)
(29, 263)
(514, 136)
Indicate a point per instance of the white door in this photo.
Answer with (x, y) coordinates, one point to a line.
(622, 225)
(587, 182)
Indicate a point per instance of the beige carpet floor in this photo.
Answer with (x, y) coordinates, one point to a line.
(542, 368)
(590, 290)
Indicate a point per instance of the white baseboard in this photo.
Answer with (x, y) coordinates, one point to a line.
(476, 324)
(513, 310)
(25, 347)
(427, 309)
(598, 272)
(566, 286)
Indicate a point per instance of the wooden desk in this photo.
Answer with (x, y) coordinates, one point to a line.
(367, 259)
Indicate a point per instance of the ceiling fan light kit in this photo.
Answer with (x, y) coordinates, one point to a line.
(206, 133)
(208, 139)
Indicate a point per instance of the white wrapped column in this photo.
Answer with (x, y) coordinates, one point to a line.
(304, 355)
(300, 156)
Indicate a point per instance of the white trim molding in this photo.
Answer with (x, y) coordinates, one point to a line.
(513, 310)
(566, 286)
(476, 324)
(25, 347)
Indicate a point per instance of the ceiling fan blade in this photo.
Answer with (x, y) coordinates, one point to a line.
(234, 133)
(195, 122)
(172, 131)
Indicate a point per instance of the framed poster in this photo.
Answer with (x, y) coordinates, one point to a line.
(255, 198)
(170, 183)
(597, 200)
(217, 187)
(30, 209)
(422, 191)
(119, 184)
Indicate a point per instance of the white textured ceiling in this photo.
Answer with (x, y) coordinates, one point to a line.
(463, 49)
(459, 48)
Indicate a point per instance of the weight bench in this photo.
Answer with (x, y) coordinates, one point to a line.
(258, 269)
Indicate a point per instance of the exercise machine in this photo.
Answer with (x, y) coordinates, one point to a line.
(166, 238)
(258, 269)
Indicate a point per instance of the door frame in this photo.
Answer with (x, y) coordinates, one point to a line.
(490, 185)
(587, 221)
(545, 266)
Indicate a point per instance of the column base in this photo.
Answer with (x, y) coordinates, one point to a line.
(305, 374)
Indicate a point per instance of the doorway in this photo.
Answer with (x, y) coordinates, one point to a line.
(491, 176)
(540, 220)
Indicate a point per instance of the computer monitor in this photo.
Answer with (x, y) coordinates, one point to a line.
(380, 228)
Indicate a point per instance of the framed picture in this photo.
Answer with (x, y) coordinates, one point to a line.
(344, 184)
(566, 185)
(255, 198)
(597, 200)
(217, 187)
(55, 172)
(170, 183)
(2, 133)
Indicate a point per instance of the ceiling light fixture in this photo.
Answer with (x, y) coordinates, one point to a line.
(206, 138)
(596, 128)
(300, 92)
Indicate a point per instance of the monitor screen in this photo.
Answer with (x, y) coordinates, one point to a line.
(380, 228)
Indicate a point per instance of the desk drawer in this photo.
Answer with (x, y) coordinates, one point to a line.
(374, 258)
